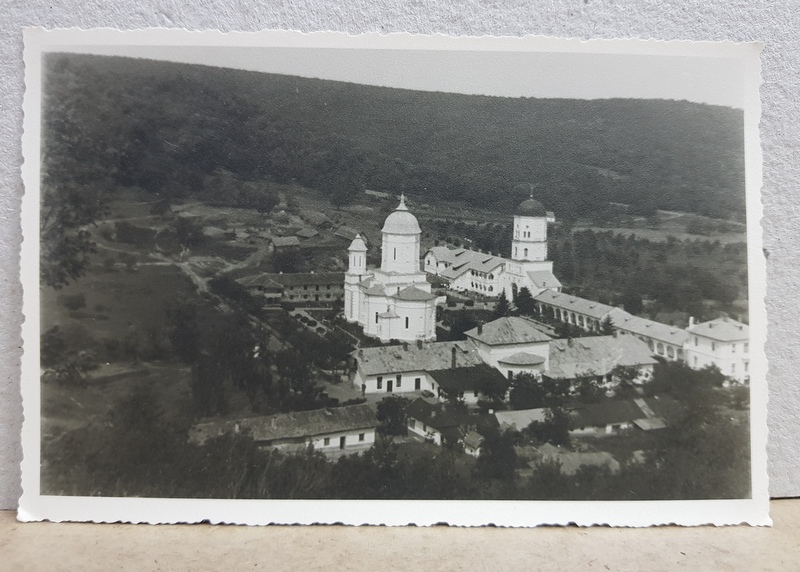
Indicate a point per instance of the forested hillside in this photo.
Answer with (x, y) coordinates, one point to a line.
(165, 126)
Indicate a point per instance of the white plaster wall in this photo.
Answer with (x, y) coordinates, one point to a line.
(773, 22)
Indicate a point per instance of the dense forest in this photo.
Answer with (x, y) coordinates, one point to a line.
(164, 126)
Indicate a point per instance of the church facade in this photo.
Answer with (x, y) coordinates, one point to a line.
(393, 302)
(528, 267)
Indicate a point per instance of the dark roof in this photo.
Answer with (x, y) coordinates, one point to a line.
(508, 330)
(310, 278)
(531, 207)
(460, 379)
(346, 232)
(298, 424)
(606, 413)
(439, 416)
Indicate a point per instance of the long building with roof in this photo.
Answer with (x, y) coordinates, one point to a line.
(468, 270)
(395, 301)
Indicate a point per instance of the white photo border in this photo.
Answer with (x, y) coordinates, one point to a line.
(34, 506)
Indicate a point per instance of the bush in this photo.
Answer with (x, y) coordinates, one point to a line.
(73, 302)
(469, 303)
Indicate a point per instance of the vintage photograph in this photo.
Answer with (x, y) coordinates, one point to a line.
(428, 270)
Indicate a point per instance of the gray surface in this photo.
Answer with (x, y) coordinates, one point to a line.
(774, 23)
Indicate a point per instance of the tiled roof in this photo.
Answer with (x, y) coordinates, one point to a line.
(574, 303)
(292, 425)
(414, 294)
(375, 290)
(722, 329)
(595, 355)
(411, 357)
(473, 439)
(469, 378)
(463, 260)
(522, 358)
(544, 279)
(654, 412)
(643, 327)
(519, 420)
(508, 330)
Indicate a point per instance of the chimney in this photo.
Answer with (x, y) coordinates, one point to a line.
(614, 334)
(480, 329)
(236, 428)
(274, 423)
(691, 321)
(453, 352)
(419, 344)
(405, 346)
(360, 352)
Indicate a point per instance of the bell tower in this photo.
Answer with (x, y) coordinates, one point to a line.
(529, 243)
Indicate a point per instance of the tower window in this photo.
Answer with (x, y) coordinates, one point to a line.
(406, 323)
(376, 317)
(395, 254)
(526, 252)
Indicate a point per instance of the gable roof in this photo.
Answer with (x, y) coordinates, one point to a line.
(722, 329)
(298, 424)
(572, 461)
(649, 413)
(411, 357)
(595, 355)
(469, 378)
(439, 416)
(574, 303)
(519, 420)
(635, 325)
(463, 259)
(307, 232)
(508, 330)
(544, 279)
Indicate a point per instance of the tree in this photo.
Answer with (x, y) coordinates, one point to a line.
(462, 321)
(554, 429)
(631, 300)
(524, 302)
(392, 415)
(498, 459)
(526, 392)
(607, 326)
(502, 308)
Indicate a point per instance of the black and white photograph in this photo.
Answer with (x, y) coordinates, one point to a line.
(288, 278)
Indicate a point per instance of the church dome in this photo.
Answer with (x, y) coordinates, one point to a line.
(531, 207)
(358, 245)
(401, 221)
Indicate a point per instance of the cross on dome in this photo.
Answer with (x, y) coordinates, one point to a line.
(402, 206)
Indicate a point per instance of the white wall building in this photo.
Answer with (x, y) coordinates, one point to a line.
(394, 301)
(472, 271)
(724, 343)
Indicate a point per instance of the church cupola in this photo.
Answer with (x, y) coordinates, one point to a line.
(530, 232)
(401, 241)
(357, 252)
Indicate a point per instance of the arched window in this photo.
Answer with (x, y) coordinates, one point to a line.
(526, 252)
(670, 352)
(491, 289)
(660, 348)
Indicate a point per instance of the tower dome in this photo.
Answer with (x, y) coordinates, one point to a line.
(358, 245)
(401, 221)
(531, 207)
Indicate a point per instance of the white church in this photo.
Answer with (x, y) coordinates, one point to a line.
(489, 275)
(393, 302)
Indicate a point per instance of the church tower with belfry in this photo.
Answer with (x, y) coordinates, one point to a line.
(529, 242)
